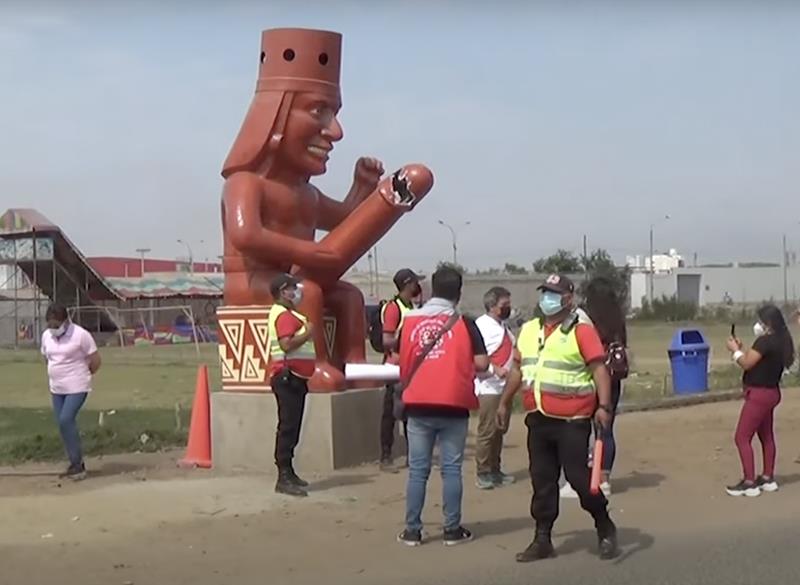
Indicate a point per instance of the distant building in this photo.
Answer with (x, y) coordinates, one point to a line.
(132, 267)
(661, 262)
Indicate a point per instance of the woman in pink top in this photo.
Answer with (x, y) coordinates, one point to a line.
(72, 359)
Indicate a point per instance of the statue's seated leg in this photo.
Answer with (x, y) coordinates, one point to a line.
(326, 378)
(347, 303)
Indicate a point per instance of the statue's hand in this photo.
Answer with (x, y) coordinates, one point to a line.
(367, 174)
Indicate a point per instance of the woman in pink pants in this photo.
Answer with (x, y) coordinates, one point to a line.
(763, 365)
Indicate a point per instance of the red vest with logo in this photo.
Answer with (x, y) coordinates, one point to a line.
(446, 375)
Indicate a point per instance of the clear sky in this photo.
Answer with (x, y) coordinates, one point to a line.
(542, 121)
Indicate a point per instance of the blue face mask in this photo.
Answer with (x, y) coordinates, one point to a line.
(550, 303)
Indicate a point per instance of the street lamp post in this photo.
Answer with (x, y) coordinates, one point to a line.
(454, 238)
(205, 264)
(652, 265)
(142, 252)
(191, 256)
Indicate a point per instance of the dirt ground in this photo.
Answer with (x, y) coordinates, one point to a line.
(138, 519)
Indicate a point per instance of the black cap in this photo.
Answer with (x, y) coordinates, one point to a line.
(281, 282)
(558, 283)
(404, 276)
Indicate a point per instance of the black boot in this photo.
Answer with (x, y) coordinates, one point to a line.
(541, 548)
(607, 539)
(295, 479)
(286, 486)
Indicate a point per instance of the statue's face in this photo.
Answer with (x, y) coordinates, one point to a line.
(311, 129)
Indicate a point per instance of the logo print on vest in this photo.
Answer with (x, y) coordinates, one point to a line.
(427, 330)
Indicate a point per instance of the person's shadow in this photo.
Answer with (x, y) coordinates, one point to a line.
(636, 480)
(631, 542)
(338, 481)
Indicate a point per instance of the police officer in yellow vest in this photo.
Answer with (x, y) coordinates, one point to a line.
(291, 364)
(565, 385)
(392, 313)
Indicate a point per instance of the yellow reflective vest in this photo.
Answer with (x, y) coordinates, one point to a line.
(558, 383)
(276, 353)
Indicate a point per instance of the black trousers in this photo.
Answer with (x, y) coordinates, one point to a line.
(290, 393)
(388, 421)
(554, 444)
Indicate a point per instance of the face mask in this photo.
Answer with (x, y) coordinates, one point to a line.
(60, 330)
(550, 303)
(505, 313)
(298, 296)
(758, 329)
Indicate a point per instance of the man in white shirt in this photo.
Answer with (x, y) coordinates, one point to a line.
(499, 343)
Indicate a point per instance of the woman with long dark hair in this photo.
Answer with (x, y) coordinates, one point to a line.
(763, 364)
(604, 307)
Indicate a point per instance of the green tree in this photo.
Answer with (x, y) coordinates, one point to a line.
(493, 271)
(511, 268)
(563, 261)
(458, 267)
(599, 263)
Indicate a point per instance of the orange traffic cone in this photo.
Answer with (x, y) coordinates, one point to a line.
(198, 449)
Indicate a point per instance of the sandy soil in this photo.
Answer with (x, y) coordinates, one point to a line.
(138, 519)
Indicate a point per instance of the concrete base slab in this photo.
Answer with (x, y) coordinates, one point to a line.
(339, 430)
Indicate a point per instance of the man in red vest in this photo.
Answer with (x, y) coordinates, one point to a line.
(440, 352)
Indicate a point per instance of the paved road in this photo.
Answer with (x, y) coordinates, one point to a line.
(738, 555)
(677, 526)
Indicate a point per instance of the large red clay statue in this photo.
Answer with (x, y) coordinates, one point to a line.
(271, 212)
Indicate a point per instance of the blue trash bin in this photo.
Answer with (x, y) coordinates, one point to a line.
(688, 357)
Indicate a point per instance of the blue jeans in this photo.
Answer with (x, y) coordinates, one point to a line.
(422, 435)
(66, 407)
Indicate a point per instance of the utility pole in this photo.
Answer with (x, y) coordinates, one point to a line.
(371, 280)
(652, 268)
(142, 252)
(377, 273)
(652, 264)
(785, 279)
(585, 257)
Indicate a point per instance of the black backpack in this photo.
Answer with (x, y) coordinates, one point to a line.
(617, 361)
(375, 328)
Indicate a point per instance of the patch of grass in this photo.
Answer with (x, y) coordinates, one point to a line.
(144, 383)
(32, 434)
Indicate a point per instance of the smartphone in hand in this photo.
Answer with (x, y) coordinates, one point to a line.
(733, 330)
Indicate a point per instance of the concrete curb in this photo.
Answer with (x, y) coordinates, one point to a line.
(680, 401)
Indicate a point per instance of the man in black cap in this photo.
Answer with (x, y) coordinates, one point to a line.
(408, 288)
(565, 385)
(291, 364)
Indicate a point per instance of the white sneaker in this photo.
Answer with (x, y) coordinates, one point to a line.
(605, 487)
(751, 490)
(567, 492)
(767, 484)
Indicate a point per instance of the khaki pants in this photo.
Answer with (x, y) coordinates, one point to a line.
(489, 442)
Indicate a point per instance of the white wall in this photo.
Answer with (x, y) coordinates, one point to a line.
(744, 285)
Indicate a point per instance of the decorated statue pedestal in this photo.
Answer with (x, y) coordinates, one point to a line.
(340, 429)
(244, 339)
(270, 216)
